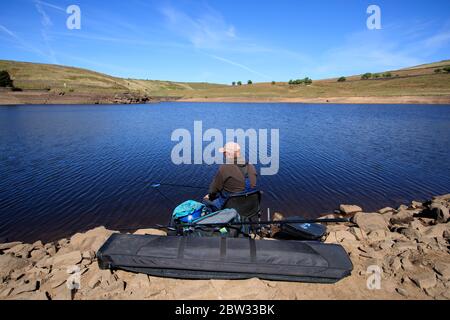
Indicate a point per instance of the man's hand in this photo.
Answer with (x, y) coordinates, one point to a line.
(206, 197)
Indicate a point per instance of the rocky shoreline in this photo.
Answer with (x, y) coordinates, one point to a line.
(39, 97)
(408, 245)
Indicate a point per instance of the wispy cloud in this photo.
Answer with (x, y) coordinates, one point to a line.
(22, 43)
(233, 63)
(374, 51)
(46, 23)
(207, 30)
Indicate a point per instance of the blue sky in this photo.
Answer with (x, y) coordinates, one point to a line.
(223, 41)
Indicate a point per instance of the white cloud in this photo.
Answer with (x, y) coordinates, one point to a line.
(206, 31)
(233, 63)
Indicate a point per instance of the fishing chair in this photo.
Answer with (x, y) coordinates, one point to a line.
(247, 204)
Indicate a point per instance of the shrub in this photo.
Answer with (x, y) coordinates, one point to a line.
(273, 82)
(5, 79)
(239, 83)
(447, 69)
(233, 83)
(437, 70)
(342, 79)
(376, 76)
(387, 75)
(291, 82)
(366, 76)
(249, 82)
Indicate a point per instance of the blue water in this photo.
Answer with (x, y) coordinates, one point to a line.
(66, 169)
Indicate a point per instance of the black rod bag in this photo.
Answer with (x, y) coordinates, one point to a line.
(225, 258)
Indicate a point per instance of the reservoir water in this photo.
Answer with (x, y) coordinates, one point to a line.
(65, 169)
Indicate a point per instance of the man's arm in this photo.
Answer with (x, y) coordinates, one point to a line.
(216, 185)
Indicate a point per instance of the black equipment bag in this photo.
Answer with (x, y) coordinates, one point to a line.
(301, 231)
(225, 258)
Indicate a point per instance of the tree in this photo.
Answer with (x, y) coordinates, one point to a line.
(249, 82)
(5, 79)
(447, 69)
(233, 83)
(307, 81)
(239, 83)
(376, 75)
(387, 75)
(366, 76)
(291, 82)
(273, 82)
(342, 79)
(437, 70)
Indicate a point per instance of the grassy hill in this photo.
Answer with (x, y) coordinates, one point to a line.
(414, 81)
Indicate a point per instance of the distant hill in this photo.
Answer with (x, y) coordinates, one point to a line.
(414, 81)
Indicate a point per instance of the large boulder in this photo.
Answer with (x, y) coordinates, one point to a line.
(66, 260)
(436, 231)
(349, 208)
(440, 211)
(369, 222)
(402, 217)
(9, 263)
(90, 240)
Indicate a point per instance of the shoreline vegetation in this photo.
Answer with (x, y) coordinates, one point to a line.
(34, 83)
(409, 245)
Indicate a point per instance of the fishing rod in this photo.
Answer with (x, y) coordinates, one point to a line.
(269, 222)
(159, 184)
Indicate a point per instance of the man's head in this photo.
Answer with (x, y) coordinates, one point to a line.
(231, 150)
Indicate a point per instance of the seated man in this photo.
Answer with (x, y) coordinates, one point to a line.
(233, 177)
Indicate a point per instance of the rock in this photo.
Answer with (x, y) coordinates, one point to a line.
(402, 217)
(349, 208)
(402, 292)
(416, 204)
(25, 287)
(66, 260)
(436, 230)
(443, 269)
(339, 236)
(396, 264)
(21, 250)
(424, 280)
(445, 197)
(17, 274)
(61, 293)
(155, 232)
(51, 250)
(441, 212)
(8, 263)
(37, 255)
(38, 245)
(369, 222)
(90, 254)
(358, 233)
(402, 207)
(5, 293)
(6, 246)
(386, 245)
(90, 240)
(32, 295)
(378, 235)
(59, 278)
(405, 245)
(63, 242)
(386, 210)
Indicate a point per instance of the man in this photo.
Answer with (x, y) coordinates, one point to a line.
(233, 177)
